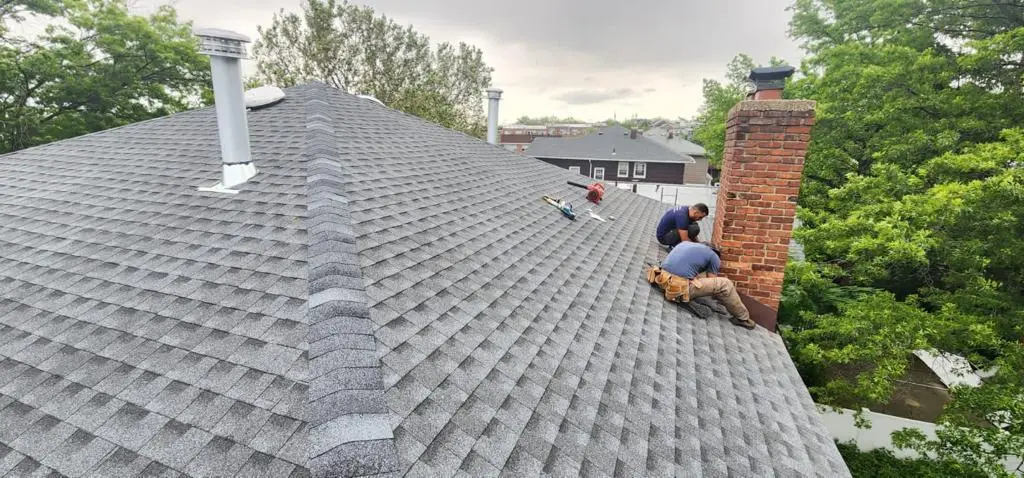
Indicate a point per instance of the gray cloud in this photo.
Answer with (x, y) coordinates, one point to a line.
(660, 34)
(663, 34)
(589, 97)
(583, 49)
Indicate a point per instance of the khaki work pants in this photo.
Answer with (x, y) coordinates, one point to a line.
(724, 291)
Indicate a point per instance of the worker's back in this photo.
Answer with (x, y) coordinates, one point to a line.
(687, 259)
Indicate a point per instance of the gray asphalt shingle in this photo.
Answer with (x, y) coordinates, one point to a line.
(385, 297)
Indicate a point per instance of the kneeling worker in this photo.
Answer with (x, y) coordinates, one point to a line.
(692, 259)
(673, 225)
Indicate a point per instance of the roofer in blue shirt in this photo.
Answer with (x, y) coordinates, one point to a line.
(698, 262)
(673, 226)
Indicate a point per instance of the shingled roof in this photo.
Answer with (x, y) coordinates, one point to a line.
(610, 143)
(384, 297)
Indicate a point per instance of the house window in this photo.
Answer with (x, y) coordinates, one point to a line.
(574, 169)
(640, 170)
(599, 174)
(623, 169)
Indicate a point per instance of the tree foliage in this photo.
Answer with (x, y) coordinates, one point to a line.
(913, 209)
(95, 66)
(881, 463)
(352, 48)
(982, 426)
(719, 98)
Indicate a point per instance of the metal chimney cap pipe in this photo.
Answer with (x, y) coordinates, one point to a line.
(221, 42)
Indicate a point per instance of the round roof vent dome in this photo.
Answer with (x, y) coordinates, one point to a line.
(263, 96)
(368, 97)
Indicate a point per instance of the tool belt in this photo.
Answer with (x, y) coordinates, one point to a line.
(677, 289)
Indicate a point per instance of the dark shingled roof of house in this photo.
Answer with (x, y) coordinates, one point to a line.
(611, 143)
(385, 297)
(677, 143)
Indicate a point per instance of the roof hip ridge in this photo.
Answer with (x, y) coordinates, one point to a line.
(348, 436)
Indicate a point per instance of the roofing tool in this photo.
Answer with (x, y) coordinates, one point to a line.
(595, 192)
(595, 216)
(563, 206)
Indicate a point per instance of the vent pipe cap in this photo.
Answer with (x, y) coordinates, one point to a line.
(221, 42)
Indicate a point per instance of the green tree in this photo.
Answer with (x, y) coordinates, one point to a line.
(719, 98)
(352, 48)
(881, 463)
(913, 210)
(96, 66)
(999, 405)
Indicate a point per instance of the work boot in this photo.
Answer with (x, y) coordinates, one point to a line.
(747, 324)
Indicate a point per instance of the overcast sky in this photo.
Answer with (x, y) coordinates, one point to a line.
(588, 58)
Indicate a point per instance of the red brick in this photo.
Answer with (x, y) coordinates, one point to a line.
(774, 261)
(796, 168)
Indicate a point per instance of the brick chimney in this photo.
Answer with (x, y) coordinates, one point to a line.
(765, 144)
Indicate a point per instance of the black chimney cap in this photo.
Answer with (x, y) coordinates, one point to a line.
(771, 72)
(771, 77)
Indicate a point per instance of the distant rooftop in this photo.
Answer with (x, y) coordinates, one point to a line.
(609, 143)
(677, 143)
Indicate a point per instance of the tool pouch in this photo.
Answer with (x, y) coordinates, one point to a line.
(677, 289)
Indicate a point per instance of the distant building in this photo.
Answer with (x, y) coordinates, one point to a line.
(618, 155)
(517, 137)
(524, 129)
(569, 129)
(682, 128)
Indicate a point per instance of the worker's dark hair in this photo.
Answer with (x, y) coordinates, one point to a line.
(713, 249)
(693, 231)
(703, 208)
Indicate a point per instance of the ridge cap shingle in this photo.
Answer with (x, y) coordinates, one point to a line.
(350, 431)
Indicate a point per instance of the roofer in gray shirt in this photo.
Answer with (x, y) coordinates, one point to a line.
(699, 263)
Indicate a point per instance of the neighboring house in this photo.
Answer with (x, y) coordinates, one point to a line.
(680, 127)
(672, 139)
(616, 154)
(522, 129)
(518, 137)
(558, 129)
(569, 129)
(385, 297)
(515, 142)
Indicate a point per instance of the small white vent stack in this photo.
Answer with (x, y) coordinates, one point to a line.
(226, 50)
(493, 97)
